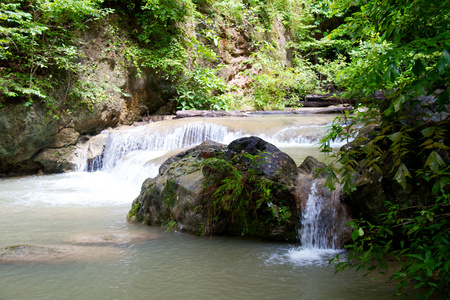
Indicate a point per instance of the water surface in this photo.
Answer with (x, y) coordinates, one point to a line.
(85, 249)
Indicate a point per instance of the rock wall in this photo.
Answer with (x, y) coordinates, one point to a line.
(32, 141)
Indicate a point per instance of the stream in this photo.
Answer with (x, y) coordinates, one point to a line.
(71, 240)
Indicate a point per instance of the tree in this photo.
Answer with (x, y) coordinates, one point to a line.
(402, 49)
(36, 46)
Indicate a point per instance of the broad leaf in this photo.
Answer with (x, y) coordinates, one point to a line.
(331, 180)
(434, 161)
(418, 68)
(402, 174)
(443, 62)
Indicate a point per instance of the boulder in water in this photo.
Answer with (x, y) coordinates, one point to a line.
(183, 194)
(272, 163)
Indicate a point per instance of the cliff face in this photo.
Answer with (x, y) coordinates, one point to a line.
(117, 93)
(31, 139)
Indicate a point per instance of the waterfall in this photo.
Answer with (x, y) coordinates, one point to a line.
(317, 223)
(322, 226)
(119, 144)
(134, 153)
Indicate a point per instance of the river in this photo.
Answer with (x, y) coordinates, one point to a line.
(71, 239)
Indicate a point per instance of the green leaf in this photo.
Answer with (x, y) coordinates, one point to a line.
(440, 184)
(392, 72)
(418, 68)
(401, 174)
(434, 161)
(395, 137)
(331, 180)
(349, 186)
(443, 62)
(360, 232)
(429, 131)
(398, 102)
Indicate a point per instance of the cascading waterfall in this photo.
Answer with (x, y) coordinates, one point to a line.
(322, 225)
(153, 140)
(119, 144)
(133, 154)
(317, 230)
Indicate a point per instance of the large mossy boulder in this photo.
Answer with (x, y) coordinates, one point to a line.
(271, 162)
(213, 189)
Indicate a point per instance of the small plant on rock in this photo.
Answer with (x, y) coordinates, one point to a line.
(240, 195)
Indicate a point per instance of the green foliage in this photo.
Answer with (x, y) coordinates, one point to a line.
(277, 86)
(411, 153)
(400, 48)
(36, 47)
(336, 132)
(134, 211)
(242, 195)
(170, 225)
(201, 89)
(418, 244)
(401, 44)
(158, 27)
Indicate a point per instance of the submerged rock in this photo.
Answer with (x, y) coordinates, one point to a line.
(111, 238)
(182, 195)
(57, 253)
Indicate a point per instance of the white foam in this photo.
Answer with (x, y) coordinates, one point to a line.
(81, 189)
(311, 256)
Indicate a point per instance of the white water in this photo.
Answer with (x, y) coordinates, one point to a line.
(316, 233)
(318, 238)
(75, 212)
(144, 148)
(134, 154)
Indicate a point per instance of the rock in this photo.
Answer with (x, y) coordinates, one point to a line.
(176, 193)
(65, 137)
(58, 253)
(328, 110)
(373, 190)
(57, 160)
(364, 136)
(181, 195)
(23, 132)
(272, 164)
(209, 113)
(235, 113)
(111, 238)
(96, 145)
(310, 165)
